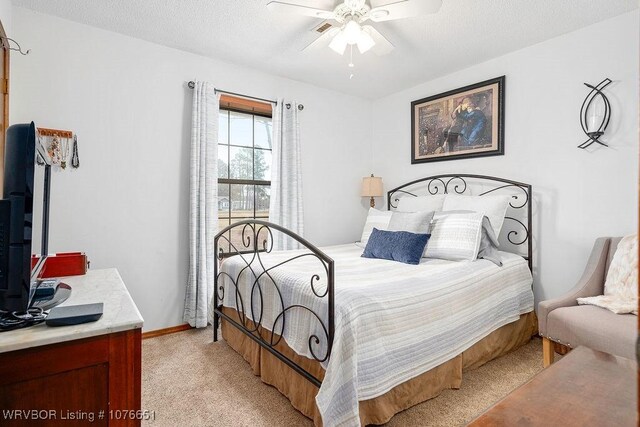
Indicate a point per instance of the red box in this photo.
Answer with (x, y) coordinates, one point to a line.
(63, 264)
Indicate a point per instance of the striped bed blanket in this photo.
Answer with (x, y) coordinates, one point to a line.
(393, 321)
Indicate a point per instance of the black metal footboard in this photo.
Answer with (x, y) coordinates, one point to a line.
(248, 241)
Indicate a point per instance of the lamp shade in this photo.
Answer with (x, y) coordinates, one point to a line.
(352, 31)
(371, 186)
(365, 41)
(339, 43)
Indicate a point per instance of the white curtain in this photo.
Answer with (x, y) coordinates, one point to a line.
(285, 207)
(203, 209)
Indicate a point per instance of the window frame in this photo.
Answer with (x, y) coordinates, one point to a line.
(253, 108)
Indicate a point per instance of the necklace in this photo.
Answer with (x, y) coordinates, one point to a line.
(75, 160)
(64, 151)
(54, 150)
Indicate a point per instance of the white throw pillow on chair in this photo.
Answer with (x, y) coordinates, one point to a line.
(621, 287)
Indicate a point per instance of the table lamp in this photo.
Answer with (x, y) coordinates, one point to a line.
(371, 187)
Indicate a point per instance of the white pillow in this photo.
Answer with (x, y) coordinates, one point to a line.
(413, 222)
(377, 219)
(494, 207)
(455, 237)
(421, 203)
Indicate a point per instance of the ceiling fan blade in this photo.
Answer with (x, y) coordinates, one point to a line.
(399, 9)
(382, 46)
(323, 40)
(298, 9)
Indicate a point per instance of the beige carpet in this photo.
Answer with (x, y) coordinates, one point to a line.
(188, 380)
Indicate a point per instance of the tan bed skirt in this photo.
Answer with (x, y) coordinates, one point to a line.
(379, 410)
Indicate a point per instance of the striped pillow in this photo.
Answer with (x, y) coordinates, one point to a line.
(494, 207)
(377, 219)
(455, 237)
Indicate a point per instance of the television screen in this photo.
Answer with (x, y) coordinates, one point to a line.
(21, 216)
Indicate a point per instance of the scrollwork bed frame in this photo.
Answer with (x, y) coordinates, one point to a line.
(258, 236)
(464, 184)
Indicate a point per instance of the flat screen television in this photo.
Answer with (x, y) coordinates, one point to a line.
(26, 177)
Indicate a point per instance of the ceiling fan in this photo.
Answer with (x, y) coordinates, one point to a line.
(351, 14)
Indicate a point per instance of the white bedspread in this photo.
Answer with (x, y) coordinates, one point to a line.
(393, 321)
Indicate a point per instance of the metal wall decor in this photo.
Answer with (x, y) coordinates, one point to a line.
(594, 117)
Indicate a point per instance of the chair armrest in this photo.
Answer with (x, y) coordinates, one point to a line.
(590, 284)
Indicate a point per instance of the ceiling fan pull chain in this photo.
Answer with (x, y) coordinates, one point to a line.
(351, 58)
(351, 64)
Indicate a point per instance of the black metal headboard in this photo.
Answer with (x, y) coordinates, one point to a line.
(517, 231)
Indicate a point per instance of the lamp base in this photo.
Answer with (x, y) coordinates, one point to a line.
(372, 202)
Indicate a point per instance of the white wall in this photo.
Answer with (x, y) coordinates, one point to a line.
(127, 100)
(6, 16)
(578, 195)
(127, 204)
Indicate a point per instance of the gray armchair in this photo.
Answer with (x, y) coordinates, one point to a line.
(563, 321)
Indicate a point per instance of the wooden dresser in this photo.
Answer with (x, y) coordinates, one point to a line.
(76, 375)
(586, 388)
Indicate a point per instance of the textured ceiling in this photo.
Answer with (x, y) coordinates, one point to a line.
(462, 33)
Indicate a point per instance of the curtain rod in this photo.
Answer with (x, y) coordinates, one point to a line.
(192, 85)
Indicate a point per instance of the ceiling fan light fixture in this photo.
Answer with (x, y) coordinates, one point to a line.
(365, 41)
(352, 32)
(338, 43)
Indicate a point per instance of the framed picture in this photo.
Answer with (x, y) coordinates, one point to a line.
(459, 124)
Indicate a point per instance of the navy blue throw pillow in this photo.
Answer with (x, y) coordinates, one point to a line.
(399, 246)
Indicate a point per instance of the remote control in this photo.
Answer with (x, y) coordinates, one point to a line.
(74, 314)
(46, 288)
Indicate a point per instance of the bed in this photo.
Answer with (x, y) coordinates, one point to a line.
(353, 341)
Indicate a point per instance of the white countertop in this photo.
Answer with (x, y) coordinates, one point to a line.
(106, 286)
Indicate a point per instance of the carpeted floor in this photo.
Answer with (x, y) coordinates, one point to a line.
(188, 380)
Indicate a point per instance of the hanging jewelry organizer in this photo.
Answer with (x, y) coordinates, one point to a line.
(61, 146)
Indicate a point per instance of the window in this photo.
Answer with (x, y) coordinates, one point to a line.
(244, 163)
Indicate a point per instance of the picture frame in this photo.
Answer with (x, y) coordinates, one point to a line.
(459, 124)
